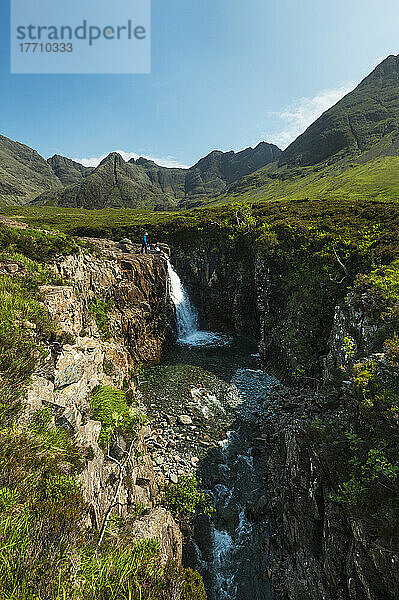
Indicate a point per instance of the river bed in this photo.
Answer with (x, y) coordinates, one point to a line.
(205, 402)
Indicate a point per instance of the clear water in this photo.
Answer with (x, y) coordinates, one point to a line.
(218, 380)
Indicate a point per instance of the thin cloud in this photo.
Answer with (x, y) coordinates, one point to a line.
(298, 116)
(167, 161)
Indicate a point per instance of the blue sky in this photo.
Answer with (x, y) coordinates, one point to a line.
(225, 74)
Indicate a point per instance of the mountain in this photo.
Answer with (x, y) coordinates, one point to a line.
(114, 183)
(143, 184)
(351, 150)
(357, 123)
(170, 181)
(24, 174)
(68, 171)
(211, 174)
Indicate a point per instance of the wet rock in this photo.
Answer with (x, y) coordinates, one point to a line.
(260, 440)
(145, 308)
(262, 505)
(143, 482)
(69, 420)
(184, 420)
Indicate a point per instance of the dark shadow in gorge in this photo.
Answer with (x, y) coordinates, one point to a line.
(232, 549)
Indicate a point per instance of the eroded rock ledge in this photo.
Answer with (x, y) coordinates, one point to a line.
(135, 326)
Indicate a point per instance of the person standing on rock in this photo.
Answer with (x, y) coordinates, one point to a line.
(144, 245)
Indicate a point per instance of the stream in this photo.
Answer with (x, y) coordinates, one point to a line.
(206, 401)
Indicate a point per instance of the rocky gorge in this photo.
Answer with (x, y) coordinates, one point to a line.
(140, 324)
(257, 429)
(319, 336)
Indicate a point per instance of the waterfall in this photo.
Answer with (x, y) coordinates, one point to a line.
(187, 316)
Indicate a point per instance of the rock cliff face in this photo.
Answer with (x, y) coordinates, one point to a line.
(221, 285)
(134, 291)
(100, 349)
(318, 548)
(245, 291)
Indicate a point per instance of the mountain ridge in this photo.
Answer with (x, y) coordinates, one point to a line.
(352, 148)
(141, 183)
(23, 172)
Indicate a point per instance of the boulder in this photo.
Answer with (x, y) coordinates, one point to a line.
(159, 524)
(184, 420)
(11, 268)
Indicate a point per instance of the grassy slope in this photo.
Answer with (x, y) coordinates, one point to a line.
(377, 179)
(46, 551)
(335, 215)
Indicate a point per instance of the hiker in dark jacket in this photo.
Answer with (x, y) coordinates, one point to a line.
(144, 245)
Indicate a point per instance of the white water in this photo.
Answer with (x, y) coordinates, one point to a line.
(187, 316)
(234, 561)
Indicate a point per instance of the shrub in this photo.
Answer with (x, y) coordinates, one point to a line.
(375, 470)
(109, 406)
(185, 498)
(41, 246)
(391, 348)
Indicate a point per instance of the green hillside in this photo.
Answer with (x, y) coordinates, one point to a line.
(351, 151)
(24, 174)
(356, 123)
(376, 179)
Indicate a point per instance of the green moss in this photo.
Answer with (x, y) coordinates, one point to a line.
(100, 309)
(386, 280)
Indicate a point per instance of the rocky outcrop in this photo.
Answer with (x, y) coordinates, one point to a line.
(133, 289)
(220, 282)
(135, 325)
(357, 331)
(159, 524)
(317, 550)
(240, 289)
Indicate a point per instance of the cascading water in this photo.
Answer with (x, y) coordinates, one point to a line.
(224, 392)
(187, 316)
